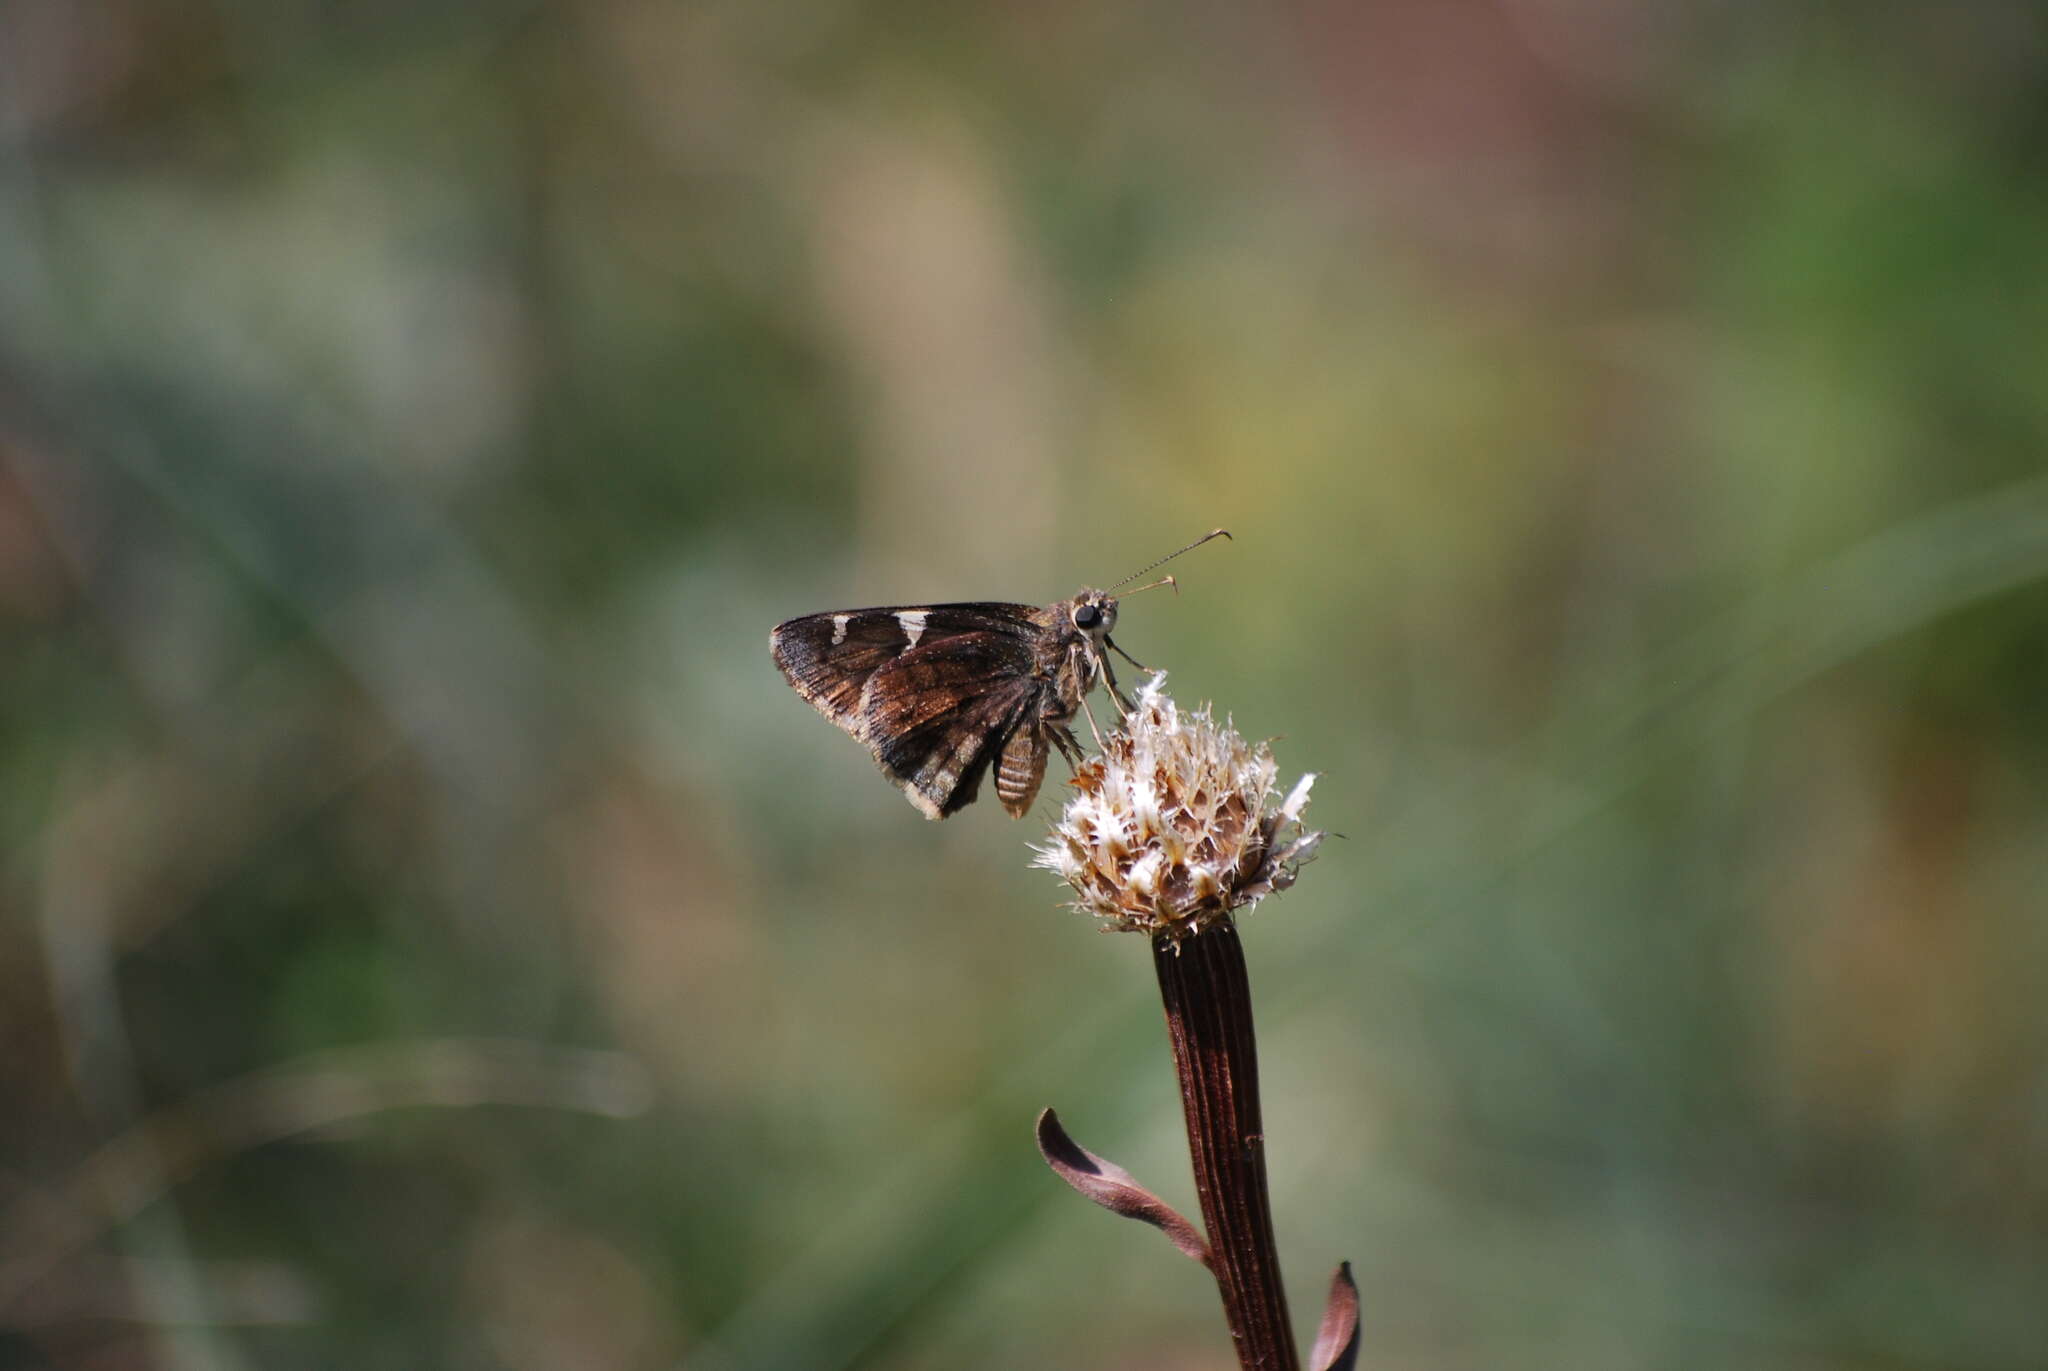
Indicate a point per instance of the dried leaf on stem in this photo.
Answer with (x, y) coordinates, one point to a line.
(1114, 1188)
(1336, 1346)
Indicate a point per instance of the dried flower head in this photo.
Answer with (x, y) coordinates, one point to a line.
(1172, 827)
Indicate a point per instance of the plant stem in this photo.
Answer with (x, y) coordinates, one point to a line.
(1208, 998)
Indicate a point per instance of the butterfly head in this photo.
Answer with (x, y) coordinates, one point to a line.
(1093, 612)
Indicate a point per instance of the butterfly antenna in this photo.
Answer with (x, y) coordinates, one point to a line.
(1212, 533)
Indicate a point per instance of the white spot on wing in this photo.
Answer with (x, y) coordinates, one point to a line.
(913, 625)
(839, 623)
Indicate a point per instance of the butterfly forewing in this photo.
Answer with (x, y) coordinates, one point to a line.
(829, 657)
(936, 692)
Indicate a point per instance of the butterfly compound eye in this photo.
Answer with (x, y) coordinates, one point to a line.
(1087, 616)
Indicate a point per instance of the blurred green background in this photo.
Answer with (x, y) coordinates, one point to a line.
(432, 935)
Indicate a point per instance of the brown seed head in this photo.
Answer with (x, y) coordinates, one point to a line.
(1172, 827)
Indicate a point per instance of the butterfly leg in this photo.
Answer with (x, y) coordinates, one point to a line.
(1123, 701)
(1123, 654)
(1091, 723)
(1063, 739)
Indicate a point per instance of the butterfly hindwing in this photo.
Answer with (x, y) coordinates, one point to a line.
(936, 715)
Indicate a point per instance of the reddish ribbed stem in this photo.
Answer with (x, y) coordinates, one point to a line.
(1208, 998)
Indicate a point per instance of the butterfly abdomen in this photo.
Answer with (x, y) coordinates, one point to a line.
(1020, 769)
